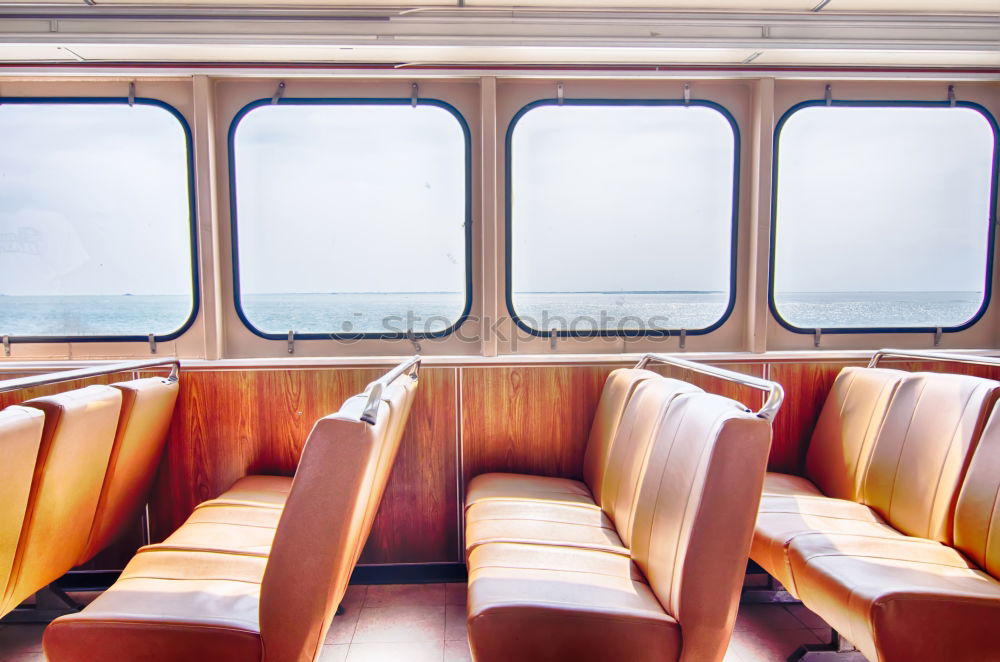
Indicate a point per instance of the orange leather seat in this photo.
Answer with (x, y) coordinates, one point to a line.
(674, 597)
(146, 412)
(77, 437)
(915, 598)
(586, 493)
(20, 438)
(190, 604)
(910, 481)
(606, 528)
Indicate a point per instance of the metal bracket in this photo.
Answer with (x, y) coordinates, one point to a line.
(560, 94)
(684, 334)
(291, 342)
(937, 336)
(279, 92)
(817, 337)
(414, 92)
(152, 343)
(951, 96)
(6, 345)
(131, 94)
(828, 95)
(412, 337)
(92, 3)
(687, 94)
(553, 338)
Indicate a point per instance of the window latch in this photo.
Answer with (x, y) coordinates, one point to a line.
(817, 337)
(414, 93)
(951, 96)
(828, 95)
(687, 94)
(937, 336)
(6, 345)
(279, 92)
(683, 338)
(152, 343)
(131, 94)
(291, 342)
(412, 337)
(560, 94)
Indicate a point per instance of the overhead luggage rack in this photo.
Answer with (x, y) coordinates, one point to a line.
(775, 394)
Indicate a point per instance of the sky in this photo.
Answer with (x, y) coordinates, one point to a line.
(93, 199)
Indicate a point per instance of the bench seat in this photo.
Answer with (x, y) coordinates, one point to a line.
(521, 488)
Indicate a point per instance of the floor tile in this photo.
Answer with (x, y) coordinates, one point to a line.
(18, 639)
(334, 653)
(766, 617)
(342, 628)
(457, 651)
(400, 624)
(456, 593)
(764, 645)
(454, 624)
(408, 595)
(806, 617)
(355, 596)
(427, 651)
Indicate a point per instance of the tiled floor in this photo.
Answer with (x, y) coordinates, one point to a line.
(418, 622)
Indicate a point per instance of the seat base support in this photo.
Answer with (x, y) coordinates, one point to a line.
(51, 602)
(837, 650)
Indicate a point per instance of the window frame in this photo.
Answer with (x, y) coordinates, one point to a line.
(192, 223)
(348, 101)
(992, 220)
(508, 218)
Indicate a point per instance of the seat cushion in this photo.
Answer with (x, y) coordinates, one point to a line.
(899, 599)
(540, 523)
(168, 606)
(783, 518)
(226, 528)
(776, 484)
(264, 491)
(523, 487)
(555, 603)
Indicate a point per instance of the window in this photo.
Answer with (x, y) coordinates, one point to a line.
(96, 220)
(882, 216)
(353, 217)
(621, 217)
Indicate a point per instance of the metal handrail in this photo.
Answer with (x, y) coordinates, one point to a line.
(374, 390)
(19, 383)
(775, 394)
(932, 356)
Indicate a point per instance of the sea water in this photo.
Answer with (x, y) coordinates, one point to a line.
(436, 311)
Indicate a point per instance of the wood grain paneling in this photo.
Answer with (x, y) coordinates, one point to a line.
(528, 419)
(418, 519)
(806, 386)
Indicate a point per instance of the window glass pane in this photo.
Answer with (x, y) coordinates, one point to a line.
(95, 234)
(351, 218)
(882, 216)
(621, 217)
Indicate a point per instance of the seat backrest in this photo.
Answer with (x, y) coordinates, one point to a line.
(20, 438)
(845, 431)
(977, 515)
(147, 408)
(618, 388)
(323, 527)
(73, 458)
(923, 449)
(695, 516)
(630, 449)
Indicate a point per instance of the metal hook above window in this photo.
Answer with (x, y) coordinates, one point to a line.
(291, 342)
(414, 93)
(279, 92)
(560, 94)
(828, 95)
(152, 343)
(951, 96)
(131, 94)
(687, 94)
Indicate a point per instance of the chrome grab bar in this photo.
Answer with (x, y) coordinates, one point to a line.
(374, 390)
(775, 394)
(9, 385)
(932, 356)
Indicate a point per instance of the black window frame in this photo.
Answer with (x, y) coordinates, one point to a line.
(508, 224)
(351, 101)
(192, 215)
(992, 220)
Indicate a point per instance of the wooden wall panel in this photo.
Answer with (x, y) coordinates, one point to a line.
(806, 386)
(528, 419)
(418, 519)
